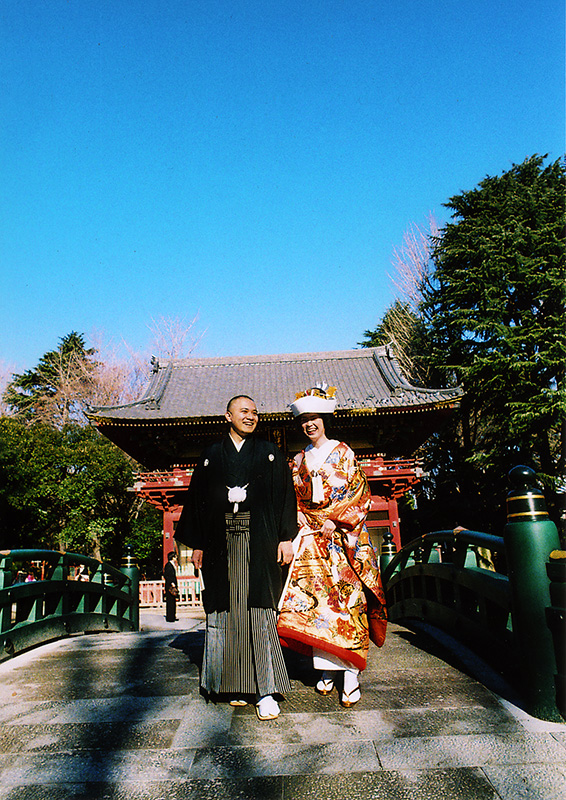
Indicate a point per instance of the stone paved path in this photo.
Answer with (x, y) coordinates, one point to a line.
(119, 716)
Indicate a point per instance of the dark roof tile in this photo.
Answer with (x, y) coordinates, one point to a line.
(368, 378)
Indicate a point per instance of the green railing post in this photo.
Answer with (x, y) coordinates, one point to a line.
(130, 569)
(5, 581)
(529, 537)
(5, 569)
(388, 550)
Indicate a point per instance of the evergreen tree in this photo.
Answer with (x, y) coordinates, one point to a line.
(63, 486)
(494, 316)
(69, 490)
(59, 387)
(488, 315)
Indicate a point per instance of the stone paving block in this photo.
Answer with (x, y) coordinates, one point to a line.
(311, 702)
(342, 724)
(247, 789)
(529, 782)
(428, 694)
(112, 709)
(204, 725)
(5, 761)
(443, 752)
(77, 676)
(407, 676)
(237, 789)
(425, 695)
(447, 721)
(528, 723)
(15, 709)
(70, 791)
(404, 658)
(225, 762)
(309, 728)
(88, 736)
(401, 641)
(454, 784)
(97, 766)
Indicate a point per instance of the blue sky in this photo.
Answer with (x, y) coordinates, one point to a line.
(253, 163)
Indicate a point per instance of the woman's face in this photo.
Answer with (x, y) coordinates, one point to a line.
(313, 427)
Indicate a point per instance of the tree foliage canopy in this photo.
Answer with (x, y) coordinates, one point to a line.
(492, 320)
(68, 490)
(57, 389)
(62, 485)
(404, 330)
(495, 314)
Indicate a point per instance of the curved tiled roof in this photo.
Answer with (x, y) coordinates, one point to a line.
(366, 380)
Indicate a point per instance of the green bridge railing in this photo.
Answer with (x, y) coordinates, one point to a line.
(47, 595)
(504, 597)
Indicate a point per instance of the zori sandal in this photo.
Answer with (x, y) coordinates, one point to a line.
(267, 708)
(349, 699)
(324, 686)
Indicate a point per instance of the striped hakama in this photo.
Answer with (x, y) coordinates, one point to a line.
(242, 653)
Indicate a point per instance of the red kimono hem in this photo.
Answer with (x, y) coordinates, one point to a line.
(304, 643)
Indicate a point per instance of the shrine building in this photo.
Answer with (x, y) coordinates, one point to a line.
(378, 413)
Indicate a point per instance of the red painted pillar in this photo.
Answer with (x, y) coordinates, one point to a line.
(393, 511)
(168, 531)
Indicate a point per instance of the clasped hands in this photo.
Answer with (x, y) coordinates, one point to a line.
(284, 555)
(285, 549)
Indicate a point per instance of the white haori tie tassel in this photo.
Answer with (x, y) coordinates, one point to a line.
(237, 495)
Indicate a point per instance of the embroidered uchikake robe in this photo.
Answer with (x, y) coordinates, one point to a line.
(323, 605)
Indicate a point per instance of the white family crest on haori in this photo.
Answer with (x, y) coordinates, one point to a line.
(237, 495)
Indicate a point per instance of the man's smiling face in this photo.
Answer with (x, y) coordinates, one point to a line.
(242, 416)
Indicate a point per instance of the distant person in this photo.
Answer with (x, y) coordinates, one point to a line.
(171, 587)
(239, 517)
(334, 577)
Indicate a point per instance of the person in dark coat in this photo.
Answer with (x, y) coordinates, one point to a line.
(171, 587)
(240, 516)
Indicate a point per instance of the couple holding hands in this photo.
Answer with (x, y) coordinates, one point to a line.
(246, 516)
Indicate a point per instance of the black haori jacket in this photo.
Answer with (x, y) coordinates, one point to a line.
(272, 505)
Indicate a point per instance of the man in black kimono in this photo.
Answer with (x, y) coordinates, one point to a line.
(239, 517)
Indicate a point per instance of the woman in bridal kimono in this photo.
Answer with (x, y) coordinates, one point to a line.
(324, 605)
